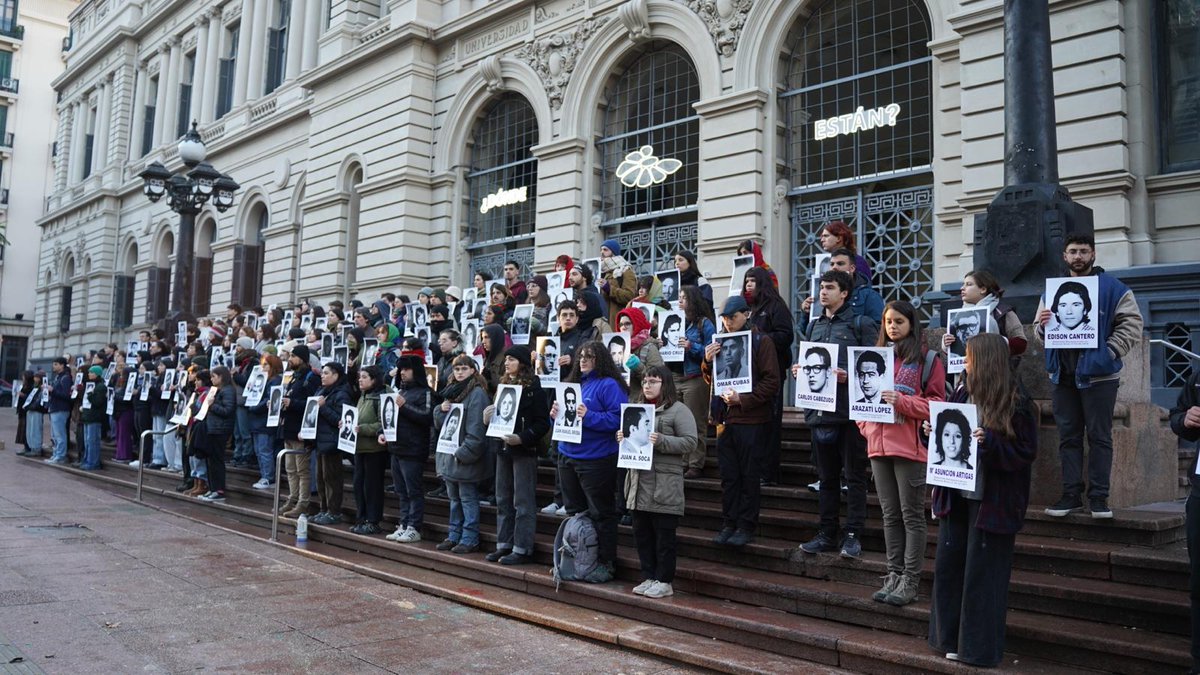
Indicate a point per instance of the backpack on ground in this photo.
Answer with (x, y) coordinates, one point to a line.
(576, 549)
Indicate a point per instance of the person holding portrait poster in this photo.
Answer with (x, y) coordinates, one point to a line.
(693, 390)
(981, 290)
(746, 416)
(505, 420)
(635, 450)
(348, 426)
(370, 455)
(409, 447)
(451, 436)
(333, 397)
(871, 375)
(817, 387)
(464, 467)
(732, 371)
(1085, 379)
(94, 397)
(263, 420)
(977, 529)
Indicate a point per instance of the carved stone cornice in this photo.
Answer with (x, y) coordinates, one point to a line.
(553, 57)
(635, 16)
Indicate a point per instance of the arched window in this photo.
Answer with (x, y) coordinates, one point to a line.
(158, 280)
(65, 297)
(502, 186)
(650, 158)
(248, 259)
(856, 82)
(202, 269)
(123, 287)
(354, 178)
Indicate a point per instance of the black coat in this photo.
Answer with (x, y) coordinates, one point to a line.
(222, 412)
(533, 419)
(329, 414)
(304, 383)
(414, 421)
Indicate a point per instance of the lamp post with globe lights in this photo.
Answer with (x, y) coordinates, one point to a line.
(186, 195)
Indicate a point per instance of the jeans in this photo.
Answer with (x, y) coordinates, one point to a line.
(516, 502)
(1193, 545)
(408, 480)
(464, 512)
(970, 587)
(330, 481)
(264, 449)
(33, 431)
(199, 467)
(589, 485)
(158, 423)
(845, 454)
(216, 461)
(91, 446)
(58, 434)
(900, 484)
(243, 441)
(1089, 410)
(740, 451)
(171, 445)
(369, 468)
(656, 545)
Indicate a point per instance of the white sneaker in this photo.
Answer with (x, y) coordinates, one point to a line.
(262, 484)
(395, 536)
(409, 536)
(134, 464)
(952, 656)
(550, 509)
(660, 589)
(562, 511)
(641, 588)
(208, 496)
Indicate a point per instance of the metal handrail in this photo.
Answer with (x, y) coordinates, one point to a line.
(141, 445)
(1176, 348)
(278, 475)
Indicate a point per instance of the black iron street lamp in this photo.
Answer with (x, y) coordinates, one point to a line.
(186, 195)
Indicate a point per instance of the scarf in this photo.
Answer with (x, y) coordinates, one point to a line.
(456, 391)
(615, 264)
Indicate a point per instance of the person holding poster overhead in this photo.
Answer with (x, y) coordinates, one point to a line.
(977, 530)
(838, 447)
(218, 424)
(93, 416)
(897, 453)
(333, 393)
(654, 497)
(463, 469)
(516, 462)
(264, 437)
(1185, 422)
(370, 456)
(770, 316)
(746, 416)
(303, 384)
(413, 421)
(693, 390)
(1086, 380)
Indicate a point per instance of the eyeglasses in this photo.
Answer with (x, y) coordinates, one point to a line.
(587, 357)
(650, 382)
(813, 369)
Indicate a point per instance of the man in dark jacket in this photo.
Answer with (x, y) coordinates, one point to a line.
(837, 445)
(303, 384)
(1185, 422)
(572, 334)
(93, 417)
(60, 409)
(410, 450)
(740, 446)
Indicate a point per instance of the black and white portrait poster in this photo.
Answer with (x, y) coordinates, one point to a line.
(132, 348)
(547, 360)
(183, 408)
(181, 333)
(387, 416)
(816, 385)
(594, 265)
(814, 292)
(341, 355)
(418, 315)
(669, 280)
(289, 317)
(522, 321)
(306, 322)
(469, 294)
(130, 386)
(741, 265)
(648, 310)
(110, 399)
(568, 426)
(147, 382)
(431, 375)
(480, 305)
(206, 404)
(75, 389)
(1073, 311)
(560, 296)
(275, 406)
(308, 424)
(256, 386)
(450, 439)
(731, 365)
(370, 348)
(348, 434)
(637, 423)
(168, 384)
(87, 391)
(217, 358)
(822, 263)
(963, 324)
(504, 417)
(672, 330)
(952, 446)
(871, 375)
(321, 323)
(555, 282)
(617, 345)
(326, 347)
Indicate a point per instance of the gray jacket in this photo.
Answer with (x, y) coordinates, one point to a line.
(467, 463)
(660, 490)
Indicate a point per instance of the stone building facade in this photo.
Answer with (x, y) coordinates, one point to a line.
(390, 144)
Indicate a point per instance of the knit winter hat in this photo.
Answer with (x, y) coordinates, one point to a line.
(301, 352)
(426, 291)
(440, 295)
(612, 245)
(97, 371)
(245, 343)
(454, 292)
(521, 353)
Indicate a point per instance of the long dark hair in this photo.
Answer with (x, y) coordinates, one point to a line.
(697, 307)
(955, 417)
(604, 366)
(764, 289)
(223, 373)
(908, 348)
(693, 270)
(376, 375)
(667, 396)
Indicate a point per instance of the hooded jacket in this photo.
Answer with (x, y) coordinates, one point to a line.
(329, 414)
(603, 397)
(221, 411)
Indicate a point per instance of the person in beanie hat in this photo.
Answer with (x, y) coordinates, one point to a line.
(413, 414)
(618, 282)
(438, 298)
(93, 419)
(539, 297)
(424, 295)
(303, 384)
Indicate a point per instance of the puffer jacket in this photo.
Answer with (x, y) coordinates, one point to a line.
(660, 490)
(369, 424)
(329, 414)
(466, 464)
(902, 439)
(221, 411)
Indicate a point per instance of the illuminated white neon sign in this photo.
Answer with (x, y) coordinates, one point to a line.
(859, 120)
(504, 198)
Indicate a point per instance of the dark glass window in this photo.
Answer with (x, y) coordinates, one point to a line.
(277, 46)
(226, 75)
(1179, 83)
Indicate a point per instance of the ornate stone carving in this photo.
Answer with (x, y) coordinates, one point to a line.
(553, 57)
(724, 18)
(542, 15)
(489, 68)
(781, 190)
(635, 16)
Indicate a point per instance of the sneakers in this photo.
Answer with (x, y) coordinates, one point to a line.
(889, 585)
(322, 518)
(723, 536)
(550, 509)
(51, 460)
(217, 497)
(641, 588)
(366, 529)
(739, 539)
(462, 549)
(1099, 508)
(437, 493)
(263, 484)
(134, 464)
(819, 544)
(562, 511)
(815, 486)
(851, 547)
(660, 589)
(447, 545)
(603, 574)
(904, 592)
(627, 520)
(1065, 505)
(410, 536)
(953, 656)
(515, 558)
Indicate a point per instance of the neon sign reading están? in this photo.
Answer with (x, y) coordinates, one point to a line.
(504, 198)
(859, 120)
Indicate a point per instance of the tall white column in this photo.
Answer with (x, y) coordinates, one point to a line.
(171, 112)
(139, 111)
(258, 51)
(160, 99)
(202, 71)
(295, 41)
(103, 127)
(312, 34)
(243, 53)
(208, 98)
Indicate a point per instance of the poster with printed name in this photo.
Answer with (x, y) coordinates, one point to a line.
(672, 329)
(816, 379)
(568, 426)
(617, 345)
(1073, 311)
(308, 423)
(871, 375)
(504, 417)
(256, 386)
(963, 324)
(952, 447)
(669, 281)
(732, 365)
(450, 438)
(548, 370)
(168, 384)
(275, 406)
(522, 323)
(637, 423)
(348, 434)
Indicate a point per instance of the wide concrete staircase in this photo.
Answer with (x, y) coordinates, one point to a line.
(1085, 595)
